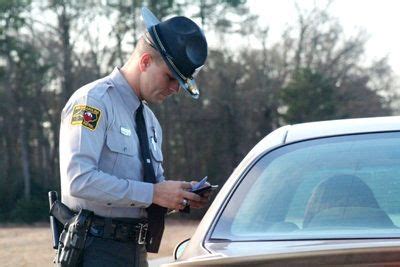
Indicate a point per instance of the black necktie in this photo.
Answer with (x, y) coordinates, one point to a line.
(155, 213)
(149, 175)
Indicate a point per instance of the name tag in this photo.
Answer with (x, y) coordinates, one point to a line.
(126, 131)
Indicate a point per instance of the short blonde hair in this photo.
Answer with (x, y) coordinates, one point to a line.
(144, 46)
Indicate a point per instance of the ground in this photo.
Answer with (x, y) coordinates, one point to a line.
(24, 245)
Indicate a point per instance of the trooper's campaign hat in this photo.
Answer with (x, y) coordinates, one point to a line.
(181, 44)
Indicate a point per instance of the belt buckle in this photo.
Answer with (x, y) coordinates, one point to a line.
(142, 233)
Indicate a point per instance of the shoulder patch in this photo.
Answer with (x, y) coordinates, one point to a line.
(86, 116)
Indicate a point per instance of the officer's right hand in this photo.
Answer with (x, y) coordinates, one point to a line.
(170, 194)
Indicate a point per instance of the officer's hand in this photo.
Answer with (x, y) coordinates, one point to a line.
(171, 194)
(205, 198)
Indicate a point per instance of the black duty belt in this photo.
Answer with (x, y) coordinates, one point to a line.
(119, 229)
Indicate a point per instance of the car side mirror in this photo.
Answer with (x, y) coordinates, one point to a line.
(178, 251)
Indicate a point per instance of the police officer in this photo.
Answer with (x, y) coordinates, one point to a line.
(102, 154)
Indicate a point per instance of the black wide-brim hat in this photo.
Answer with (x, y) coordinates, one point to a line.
(181, 44)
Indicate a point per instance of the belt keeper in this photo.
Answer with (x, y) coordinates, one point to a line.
(142, 233)
(109, 228)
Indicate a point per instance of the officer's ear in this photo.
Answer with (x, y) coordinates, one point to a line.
(145, 61)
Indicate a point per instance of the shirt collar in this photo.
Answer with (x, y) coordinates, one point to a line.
(125, 90)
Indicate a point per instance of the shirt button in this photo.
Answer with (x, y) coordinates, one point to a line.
(109, 204)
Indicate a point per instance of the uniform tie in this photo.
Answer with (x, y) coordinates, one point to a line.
(155, 213)
(149, 174)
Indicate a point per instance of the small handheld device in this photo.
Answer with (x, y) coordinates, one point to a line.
(202, 187)
(200, 184)
(205, 189)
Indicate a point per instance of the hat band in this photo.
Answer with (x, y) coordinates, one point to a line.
(146, 38)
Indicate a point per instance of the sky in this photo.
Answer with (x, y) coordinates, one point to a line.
(379, 18)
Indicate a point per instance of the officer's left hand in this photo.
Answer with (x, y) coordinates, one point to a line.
(205, 198)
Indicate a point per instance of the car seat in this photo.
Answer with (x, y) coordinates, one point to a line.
(344, 201)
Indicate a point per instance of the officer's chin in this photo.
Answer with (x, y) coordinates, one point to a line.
(157, 100)
(161, 98)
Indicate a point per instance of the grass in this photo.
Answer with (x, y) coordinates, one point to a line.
(30, 245)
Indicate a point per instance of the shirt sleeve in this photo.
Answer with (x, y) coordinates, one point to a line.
(82, 137)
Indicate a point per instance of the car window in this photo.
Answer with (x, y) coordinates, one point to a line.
(336, 187)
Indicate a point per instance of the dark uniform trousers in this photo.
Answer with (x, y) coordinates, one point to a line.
(101, 252)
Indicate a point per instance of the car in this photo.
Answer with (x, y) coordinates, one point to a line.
(307, 194)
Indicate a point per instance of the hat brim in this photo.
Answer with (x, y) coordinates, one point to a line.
(149, 18)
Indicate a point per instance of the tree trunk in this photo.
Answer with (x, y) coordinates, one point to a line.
(24, 157)
(64, 29)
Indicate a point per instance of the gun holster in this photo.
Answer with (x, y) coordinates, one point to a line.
(73, 237)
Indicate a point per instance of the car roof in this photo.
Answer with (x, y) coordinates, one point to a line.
(312, 130)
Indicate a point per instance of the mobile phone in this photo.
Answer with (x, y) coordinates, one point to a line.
(204, 189)
(199, 184)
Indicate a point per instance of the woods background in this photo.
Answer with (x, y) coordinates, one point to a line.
(250, 85)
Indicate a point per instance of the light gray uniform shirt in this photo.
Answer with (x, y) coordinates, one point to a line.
(100, 160)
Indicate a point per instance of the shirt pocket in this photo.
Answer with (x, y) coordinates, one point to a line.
(121, 144)
(157, 158)
(155, 150)
(125, 150)
(156, 153)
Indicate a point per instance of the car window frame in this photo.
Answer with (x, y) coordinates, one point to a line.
(207, 237)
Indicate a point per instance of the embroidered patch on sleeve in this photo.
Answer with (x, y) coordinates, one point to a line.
(86, 116)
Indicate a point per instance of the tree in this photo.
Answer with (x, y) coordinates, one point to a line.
(328, 81)
(309, 96)
(11, 21)
(20, 84)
